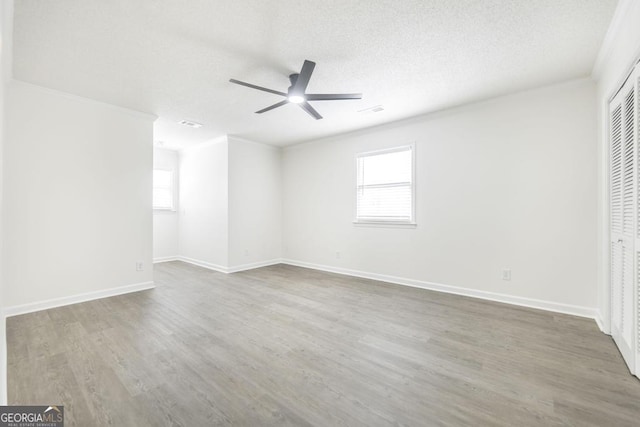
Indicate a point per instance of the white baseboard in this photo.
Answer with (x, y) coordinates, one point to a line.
(491, 296)
(227, 270)
(251, 266)
(601, 323)
(165, 259)
(203, 264)
(74, 299)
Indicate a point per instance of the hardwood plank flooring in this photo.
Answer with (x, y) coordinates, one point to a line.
(287, 346)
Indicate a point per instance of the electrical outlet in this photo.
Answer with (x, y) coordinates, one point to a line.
(506, 274)
(139, 266)
(338, 255)
(246, 252)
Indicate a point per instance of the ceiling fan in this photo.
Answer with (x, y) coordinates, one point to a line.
(296, 92)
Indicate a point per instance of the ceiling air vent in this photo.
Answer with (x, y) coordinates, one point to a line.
(190, 124)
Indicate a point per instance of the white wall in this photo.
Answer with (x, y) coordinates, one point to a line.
(204, 221)
(255, 203)
(230, 205)
(77, 196)
(505, 183)
(6, 15)
(618, 54)
(3, 341)
(165, 222)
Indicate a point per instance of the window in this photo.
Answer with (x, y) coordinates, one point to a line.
(162, 189)
(385, 186)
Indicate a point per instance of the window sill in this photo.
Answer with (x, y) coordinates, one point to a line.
(164, 210)
(385, 224)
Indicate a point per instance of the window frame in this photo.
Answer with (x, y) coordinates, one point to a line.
(171, 187)
(372, 222)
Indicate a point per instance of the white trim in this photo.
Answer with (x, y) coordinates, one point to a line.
(600, 322)
(165, 259)
(474, 293)
(203, 264)
(624, 77)
(612, 32)
(251, 266)
(382, 224)
(67, 95)
(389, 150)
(75, 299)
(604, 237)
(220, 268)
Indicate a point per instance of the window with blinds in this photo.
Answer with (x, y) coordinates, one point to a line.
(385, 186)
(162, 189)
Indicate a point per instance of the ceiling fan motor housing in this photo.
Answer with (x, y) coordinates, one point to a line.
(293, 78)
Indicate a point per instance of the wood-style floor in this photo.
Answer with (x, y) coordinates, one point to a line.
(289, 346)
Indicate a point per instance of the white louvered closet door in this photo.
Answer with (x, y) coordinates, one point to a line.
(625, 232)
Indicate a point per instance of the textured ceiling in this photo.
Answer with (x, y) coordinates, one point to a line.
(173, 58)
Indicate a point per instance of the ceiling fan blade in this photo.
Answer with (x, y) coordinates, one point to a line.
(309, 109)
(303, 78)
(264, 89)
(332, 96)
(271, 107)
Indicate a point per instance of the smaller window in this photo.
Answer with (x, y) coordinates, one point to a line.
(162, 189)
(385, 186)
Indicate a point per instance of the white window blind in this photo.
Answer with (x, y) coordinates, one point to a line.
(162, 189)
(385, 186)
